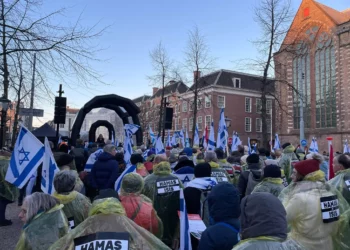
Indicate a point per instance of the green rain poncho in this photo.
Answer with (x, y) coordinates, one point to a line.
(7, 190)
(43, 230)
(108, 215)
(270, 185)
(163, 189)
(341, 182)
(76, 207)
(268, 243)
(312, 213)
(285, 163)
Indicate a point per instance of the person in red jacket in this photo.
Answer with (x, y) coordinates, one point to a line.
(138, 207)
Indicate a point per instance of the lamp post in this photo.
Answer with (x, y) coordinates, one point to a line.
(4, 104)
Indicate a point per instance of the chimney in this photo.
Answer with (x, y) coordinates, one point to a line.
(155, 89)
(196, 75)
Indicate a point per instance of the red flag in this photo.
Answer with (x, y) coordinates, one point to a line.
(330, 162)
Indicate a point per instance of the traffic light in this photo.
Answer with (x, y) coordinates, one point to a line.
(60, 110)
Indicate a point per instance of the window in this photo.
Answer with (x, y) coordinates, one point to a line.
(207, 101)
(258, 105)
(268, 123)
(177, 108)
(248, 124)
(200, 123)
(258, 125)
(268, 106)
(208, 121)
(184, 107)
(199, 103)
(190, 123)
(190, 108)
(184, 124)
(221, 101)
(61, 125)
(177, 123)
(248, 104)
(236, 83)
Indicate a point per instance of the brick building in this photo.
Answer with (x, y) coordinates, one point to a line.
(315, 60)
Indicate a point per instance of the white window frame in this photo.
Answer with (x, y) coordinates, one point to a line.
(207, 100)
(268, 107)
(269, 124)
(256, 105)
(208, 124)
(177, 123)
(177, 108)
(190, 126)
(250, 124)
(190, 108)
(234, 82)
(199, 104)
(250, 104)
(258, 128)
(184, 123)
(184, 107)
(224, 101)
(200, 124)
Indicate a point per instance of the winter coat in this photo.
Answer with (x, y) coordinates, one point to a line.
(270, 185)
(302, 201)
(43, 230)
(7, 190)
(264, 224)
(104, 173)
(108, 215)
(223, 233)
(76, 207)
(341, 182)
(219, 173)
(285, 163)
(244, 177)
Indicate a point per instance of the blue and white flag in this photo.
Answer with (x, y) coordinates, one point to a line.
(185, 240)
(118, 182)
(196, 137)
(173, 140)
(187, 140)
(249, 147)
(26, 157)
(59, 141)
(144, 155)
(277, 145)
(211, 140)
(49, 170)
(313, 146)
(182, 138)
(346, 147)
(113, 139)
(235, 142)
(204, 138)
(92, 159)
(255, 150)
(168, 141)
(222, 132)
(130, 129)
(159, 146)
(152, 136)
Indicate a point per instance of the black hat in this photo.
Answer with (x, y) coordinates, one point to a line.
(202, 170)
(262, 151)
(253, 158)
(107, 193)
(64, 159)
(220, 153)
(136, 158)
(286, 145)
(272, 171)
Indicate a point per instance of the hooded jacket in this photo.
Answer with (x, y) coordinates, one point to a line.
(270, 185)
(341, 182)
(285, 163)
(264, 224)
(104, 173)
(224, 210)
(219, 173)
(253, 168)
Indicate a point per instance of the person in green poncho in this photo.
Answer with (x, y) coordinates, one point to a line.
(341, 182)
(288, 157)
(76, 206)
(44, 222)
(272, 181)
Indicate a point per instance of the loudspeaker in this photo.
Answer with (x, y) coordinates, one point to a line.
(168, 121)
(60, 110)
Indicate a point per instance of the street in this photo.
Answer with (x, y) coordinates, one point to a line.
(9, 235)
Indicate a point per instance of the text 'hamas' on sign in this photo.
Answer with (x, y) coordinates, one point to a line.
(103, 241)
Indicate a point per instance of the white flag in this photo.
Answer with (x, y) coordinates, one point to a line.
(130, 129)
(92, 159)
(211, 141)
(222, 132)
(235, 142)
(185, 240)
(49, 170)
(314, 146)
(277, 145)
(196, 137)
(159, 146)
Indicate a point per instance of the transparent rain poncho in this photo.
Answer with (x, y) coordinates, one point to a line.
(285, 163)
(7, 190)
(76, 207)
(108, 215)
(270, 185)
(313, 216)
(341, 182)
(268, 243)
(138, 207)
(163, 188)
(43, 230)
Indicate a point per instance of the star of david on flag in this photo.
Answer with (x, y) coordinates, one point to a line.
(49, 170)
(26, 158)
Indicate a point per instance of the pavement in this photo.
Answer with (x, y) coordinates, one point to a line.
(9, 235)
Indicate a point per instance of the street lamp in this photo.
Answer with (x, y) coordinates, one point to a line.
(4, 104)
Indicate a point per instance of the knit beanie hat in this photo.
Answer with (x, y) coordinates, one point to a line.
(188, 151)
(306, 167)
(64, 159)
(136, 158)
(272, 171)
(202, 170)
(253, 158)
(173, 158)
(286, 145)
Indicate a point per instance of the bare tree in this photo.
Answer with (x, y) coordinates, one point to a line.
(162, 68)
(197, 60)
(273, 17)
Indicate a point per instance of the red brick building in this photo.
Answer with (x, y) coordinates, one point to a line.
(315, 60)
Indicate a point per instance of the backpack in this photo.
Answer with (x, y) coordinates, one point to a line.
(252, 182)
(204, 213)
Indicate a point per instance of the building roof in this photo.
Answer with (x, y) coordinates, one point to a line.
(141, 98)
(338, 17)
(172, 87)
(72, 110)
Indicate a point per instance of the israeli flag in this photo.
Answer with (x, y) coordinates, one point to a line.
(173, 140)
(204, 138)
(130, 129)
(26, 157)
(196, 137)
(235, 142)
(152, 135)
(249, 147)
(313, 146)
(182, 138)
(168, 142)
(211, 141)
(222, 132)
(255, 150)
(59, 141)
(159, 146)
(92, 159)
(185, 240)
(118, 182)
(187, 140)
(49, 170)
(144, 155)
(113, 140)
(277, 145)
(346, 147)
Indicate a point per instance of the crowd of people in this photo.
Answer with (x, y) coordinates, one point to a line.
(262, 200)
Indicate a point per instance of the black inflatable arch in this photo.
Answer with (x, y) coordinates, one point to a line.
(124, 107)
(99, 123)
